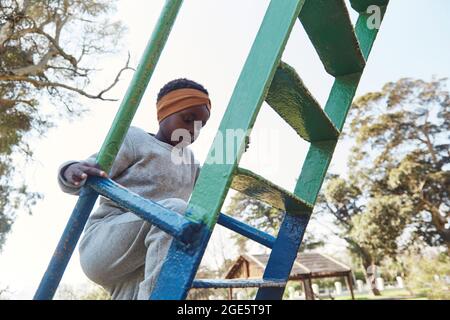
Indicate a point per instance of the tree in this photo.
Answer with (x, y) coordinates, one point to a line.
(429, 276)
(86, 291)
(4, 292)
(263, 217)
(402, 137)
(96, 293)
(408, 143)
(47, 52)
(210, 293)
(370, 228)
(397, 183)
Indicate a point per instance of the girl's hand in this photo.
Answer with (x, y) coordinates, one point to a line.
(79, 171)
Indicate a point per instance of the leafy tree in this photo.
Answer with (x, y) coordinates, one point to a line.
(371, 228)
(398, 184)
(4, 292)
(402, 148)
(429, 276)
(263, 217)
(47, 52)
(96, 293)
(89, 291)
(211, 293)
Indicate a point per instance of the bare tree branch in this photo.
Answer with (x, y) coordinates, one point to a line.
(42, 84)
(116, 80)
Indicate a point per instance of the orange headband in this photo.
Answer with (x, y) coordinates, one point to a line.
(181, 99)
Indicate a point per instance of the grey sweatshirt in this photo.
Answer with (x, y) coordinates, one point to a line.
(146, 166)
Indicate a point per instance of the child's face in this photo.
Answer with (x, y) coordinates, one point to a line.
(190, 120)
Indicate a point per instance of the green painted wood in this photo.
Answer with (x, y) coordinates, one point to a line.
(255, 186)
(290, 98)
(328, 25)
(312, 175)
(366, 36)
(362, 5)
(337, 107)
(314, 170)
(341, 97)
(344, 88)
(251, 88)
(136, 89)
(311, 178)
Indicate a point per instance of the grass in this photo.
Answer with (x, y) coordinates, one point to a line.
(393, 294)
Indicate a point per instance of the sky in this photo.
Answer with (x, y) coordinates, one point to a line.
(209, 44)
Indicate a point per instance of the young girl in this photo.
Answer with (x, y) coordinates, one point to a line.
(119, 250)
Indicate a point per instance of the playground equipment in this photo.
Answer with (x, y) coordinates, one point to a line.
(343, 51)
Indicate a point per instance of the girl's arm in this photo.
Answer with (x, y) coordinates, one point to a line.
(73, 174)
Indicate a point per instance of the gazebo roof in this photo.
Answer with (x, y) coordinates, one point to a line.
(307, 265)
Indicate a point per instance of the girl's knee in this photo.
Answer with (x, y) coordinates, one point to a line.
(94, 270)
(95, 261)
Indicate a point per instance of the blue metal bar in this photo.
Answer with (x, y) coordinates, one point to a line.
(185, 259)
(283, 254)
(237, 283)
(171, 222)
(66, 245)
(247, 231)
(108, 152)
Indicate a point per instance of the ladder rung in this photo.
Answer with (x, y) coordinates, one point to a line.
(247, 231)
(257, 187)
(237, 283)
(328, 25)
(289, 97)
(167, 220)
(362, 5)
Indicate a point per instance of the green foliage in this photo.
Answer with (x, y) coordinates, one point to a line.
(4, 293)
(429, 277)
(255, 213)
(97, 293)
(210, 293)
(381, 223)
(392, 267)
(401, 149)
(90, 292)
(398, 182)
(263, 217)
(396, 194)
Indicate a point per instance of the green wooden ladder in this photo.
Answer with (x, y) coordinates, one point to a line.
(343, 51)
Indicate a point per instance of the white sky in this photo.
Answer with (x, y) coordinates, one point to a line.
(209, 44)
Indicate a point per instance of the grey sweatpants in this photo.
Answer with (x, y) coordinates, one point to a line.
(124, 254)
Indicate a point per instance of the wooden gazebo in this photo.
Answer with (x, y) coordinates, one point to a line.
(306, 267)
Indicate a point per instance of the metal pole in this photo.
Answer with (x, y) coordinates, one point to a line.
(109, 150)
(66, 245)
